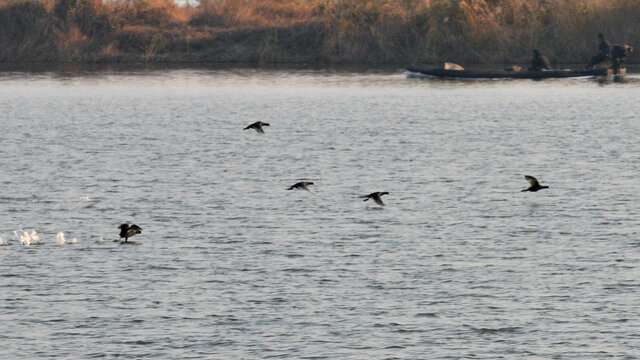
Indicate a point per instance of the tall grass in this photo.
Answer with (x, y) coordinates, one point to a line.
(311, 31)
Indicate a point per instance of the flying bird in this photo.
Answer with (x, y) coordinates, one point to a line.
(376, 196)
(257, 126)
(535, 185)
(127, 231)
(302, 185)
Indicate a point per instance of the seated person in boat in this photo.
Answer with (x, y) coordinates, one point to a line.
(603, 52)
(539, 62)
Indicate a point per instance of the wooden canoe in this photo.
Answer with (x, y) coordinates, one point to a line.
(498, 74)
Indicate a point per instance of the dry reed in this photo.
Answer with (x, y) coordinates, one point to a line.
(311, 31)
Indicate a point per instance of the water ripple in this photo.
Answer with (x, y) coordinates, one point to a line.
(458, 264)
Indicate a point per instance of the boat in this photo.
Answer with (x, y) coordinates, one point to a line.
(446, 73)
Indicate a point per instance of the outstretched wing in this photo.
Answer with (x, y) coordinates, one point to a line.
(532, 181)
(134, 229)
(378, 200)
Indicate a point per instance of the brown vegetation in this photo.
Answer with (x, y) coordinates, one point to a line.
(311, 31)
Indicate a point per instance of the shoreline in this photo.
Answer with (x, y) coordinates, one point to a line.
(37, 67)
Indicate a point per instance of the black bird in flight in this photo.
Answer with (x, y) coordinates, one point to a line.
(376, 196)
(535, 185)
(302, 185)
(257, 126)
(127, 231)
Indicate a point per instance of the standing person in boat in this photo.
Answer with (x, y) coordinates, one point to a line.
(603, 55)
(618, 54)
(539, 62)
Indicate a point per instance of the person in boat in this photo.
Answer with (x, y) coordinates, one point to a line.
(618, 55)
(604, 49)
(539, 62)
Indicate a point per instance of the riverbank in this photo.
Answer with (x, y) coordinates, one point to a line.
(311, 31)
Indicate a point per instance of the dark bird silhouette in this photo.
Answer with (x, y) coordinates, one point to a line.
(376, 196)
(257, 126)
(535, 186)
(302, 185)
(127, 231)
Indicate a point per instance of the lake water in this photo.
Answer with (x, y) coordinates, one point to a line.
(459, 264)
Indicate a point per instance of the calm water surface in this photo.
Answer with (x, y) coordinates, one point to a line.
(459, 265)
